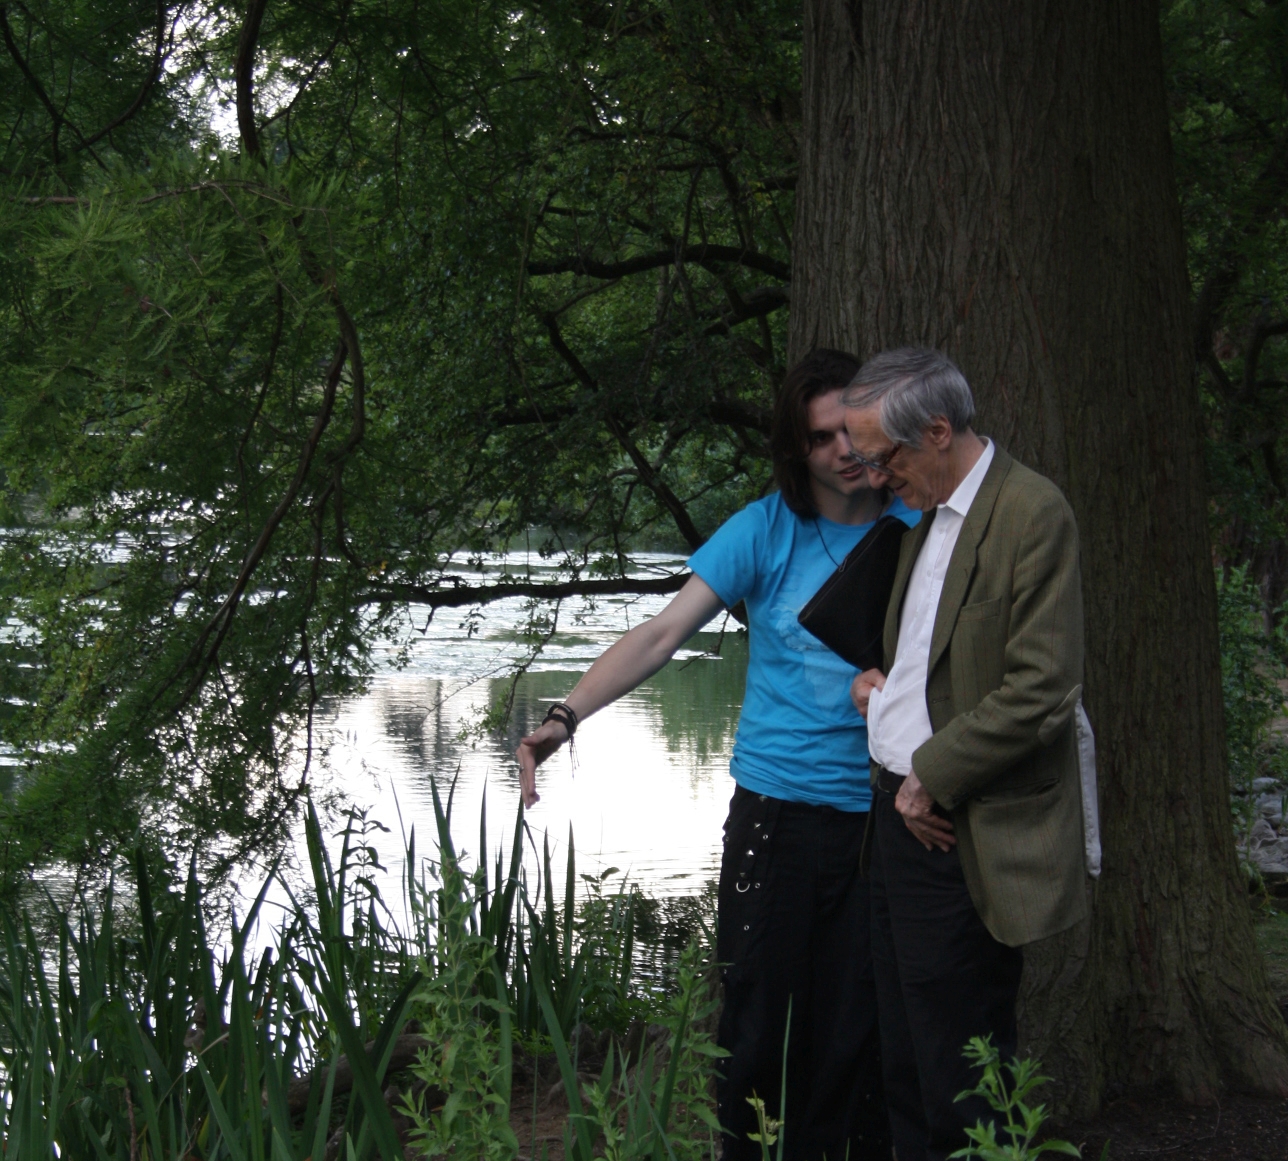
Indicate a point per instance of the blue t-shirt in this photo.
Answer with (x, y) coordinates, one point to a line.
(799, 737)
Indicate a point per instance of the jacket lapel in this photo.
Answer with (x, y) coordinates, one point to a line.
(961, 566)
(908, 553)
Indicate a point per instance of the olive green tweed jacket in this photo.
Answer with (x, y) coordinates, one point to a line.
(1004, 679)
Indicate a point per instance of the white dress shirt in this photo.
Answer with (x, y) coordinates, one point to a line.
(898, 720)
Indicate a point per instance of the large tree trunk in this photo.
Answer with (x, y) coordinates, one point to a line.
(995, 180)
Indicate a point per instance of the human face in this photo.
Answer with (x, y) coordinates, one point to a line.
(834, 477)
(917, 475)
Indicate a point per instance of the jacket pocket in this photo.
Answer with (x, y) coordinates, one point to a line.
(977, 654)
(1027, 854)
(1015, 834)
(980, 611)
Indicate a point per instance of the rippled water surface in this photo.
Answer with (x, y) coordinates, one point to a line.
(650, 785)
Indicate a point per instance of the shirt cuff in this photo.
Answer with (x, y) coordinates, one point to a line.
(874, 701)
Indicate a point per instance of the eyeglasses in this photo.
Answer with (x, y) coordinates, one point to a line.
(879, 463)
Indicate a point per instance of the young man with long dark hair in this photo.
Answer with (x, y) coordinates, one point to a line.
(793, 907)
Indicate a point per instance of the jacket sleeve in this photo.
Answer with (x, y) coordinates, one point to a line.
(1042, 674)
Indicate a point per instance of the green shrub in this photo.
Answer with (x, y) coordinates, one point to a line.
(1253, 661)
(159, 1043)
(1022, 1122)
(660, 1108)
(132, 1034)
(468, 1032)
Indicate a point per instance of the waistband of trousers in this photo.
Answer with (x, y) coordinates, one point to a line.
(886, 781)
(798, 808)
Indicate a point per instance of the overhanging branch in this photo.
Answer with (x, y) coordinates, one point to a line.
(462, 594)
(204, 652)
(648, 476)
(154, 74)
(704, 255)
(244, 76)
(1261, 333)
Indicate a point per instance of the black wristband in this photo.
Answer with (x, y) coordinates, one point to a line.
(565, 715)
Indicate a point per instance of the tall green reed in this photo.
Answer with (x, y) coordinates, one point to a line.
(149, 1039)
(659, 1107)
(156, 1043)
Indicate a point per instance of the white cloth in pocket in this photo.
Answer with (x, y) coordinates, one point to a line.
(1090, 794)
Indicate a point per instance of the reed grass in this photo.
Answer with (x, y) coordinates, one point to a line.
(133, 1034)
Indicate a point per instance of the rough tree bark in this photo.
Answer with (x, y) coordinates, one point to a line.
(995, 180)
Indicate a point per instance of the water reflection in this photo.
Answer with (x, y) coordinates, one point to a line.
(648, 788)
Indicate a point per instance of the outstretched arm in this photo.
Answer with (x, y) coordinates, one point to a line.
(634, 658)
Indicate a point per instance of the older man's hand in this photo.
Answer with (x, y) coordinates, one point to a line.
(861, 689)
(918, 809)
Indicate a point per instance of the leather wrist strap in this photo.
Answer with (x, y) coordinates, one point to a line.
(565, 715)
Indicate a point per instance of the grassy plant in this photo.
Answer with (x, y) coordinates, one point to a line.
(772, 1131)
(130, 1033)
(659, 1108)
(147, 1045)
(1009, 1097)
(467, 1061)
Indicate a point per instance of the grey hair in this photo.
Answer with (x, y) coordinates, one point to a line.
(912, 385)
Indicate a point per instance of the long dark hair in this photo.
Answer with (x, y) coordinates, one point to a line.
(820, 371)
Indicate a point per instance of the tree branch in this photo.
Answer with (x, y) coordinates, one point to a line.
(349, 337)
(200, 657)
(154, 74)
(244, 76)
(670, 501)
(463, 594)
(32, 79)
(1209, 360)
(279, 320)
(762, 301)
(705, 255)
(312, 74)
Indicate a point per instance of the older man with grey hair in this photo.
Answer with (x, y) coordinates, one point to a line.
(976, 829)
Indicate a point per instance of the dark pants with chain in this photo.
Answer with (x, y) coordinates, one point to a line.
(794, 926)
(941, 978)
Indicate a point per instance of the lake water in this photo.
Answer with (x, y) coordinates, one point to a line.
(650, 786)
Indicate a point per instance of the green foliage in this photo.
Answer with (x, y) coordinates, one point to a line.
(468, 1032)
(1227, 66)
(469, 273)
(662, 1106)
(139, 1034)
(477, 270)
(1253, 662)
(164, 1044)
(1006, 1087)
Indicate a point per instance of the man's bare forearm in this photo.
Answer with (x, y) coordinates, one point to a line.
(645, 649)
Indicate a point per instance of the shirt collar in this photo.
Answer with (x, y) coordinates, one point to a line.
(961, 500)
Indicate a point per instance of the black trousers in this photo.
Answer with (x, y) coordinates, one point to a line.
(793, 925)
(941, 978)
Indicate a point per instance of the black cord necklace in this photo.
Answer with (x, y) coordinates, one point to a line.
(819, 529)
